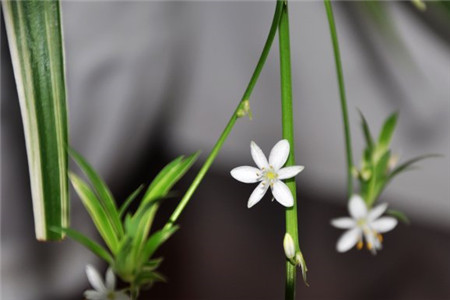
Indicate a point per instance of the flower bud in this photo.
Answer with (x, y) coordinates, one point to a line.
(289, 247)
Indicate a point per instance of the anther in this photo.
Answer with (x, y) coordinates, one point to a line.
(360, 245)
(380, 237)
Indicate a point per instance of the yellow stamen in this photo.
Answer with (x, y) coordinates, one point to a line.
(360, 245)
(369, 246)
(380, 237)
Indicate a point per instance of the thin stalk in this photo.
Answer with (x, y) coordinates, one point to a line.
(241, 107)
(287, 120)
(340, 77)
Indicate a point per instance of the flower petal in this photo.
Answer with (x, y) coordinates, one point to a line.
(289, 172)
(110, 279)
(279, 154)
(94, 295)
(357, 207)
(258, 156)
(257, 194)
(376, 212)
(343, 223)
(94, 279)
(384, 224)
(246, 174)
(348, 239)
(282, 193)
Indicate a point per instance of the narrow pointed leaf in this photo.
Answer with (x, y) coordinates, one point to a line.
(366, 131)
(104, 194)
(36, 45)
(95, 248)
(399, 215)
(164, 181)
(156, 240)
(407, 164)
(385, 137)
(129, 200)
(96, 211)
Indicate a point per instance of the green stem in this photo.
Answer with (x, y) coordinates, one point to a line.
(288, 133)
(237, 113)
(340, 76)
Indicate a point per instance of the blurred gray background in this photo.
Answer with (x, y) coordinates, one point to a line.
(148, 81)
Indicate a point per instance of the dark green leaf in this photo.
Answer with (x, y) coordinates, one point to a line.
(129, 200)
(34, 31)
(105, 196)
(88, 243)
(366, 131)
(155, 241)
(168, 176)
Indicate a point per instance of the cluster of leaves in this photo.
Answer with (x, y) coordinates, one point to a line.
(127, 235)
(379, 165)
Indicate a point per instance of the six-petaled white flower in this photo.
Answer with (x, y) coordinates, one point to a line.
(269, 173)
(363, 223)
(103, 290)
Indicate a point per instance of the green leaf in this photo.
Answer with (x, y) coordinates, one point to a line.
(407, 164)
(96, 211)
(155, 241)
(36, 45)
(152, 264)
(366, 131)
(124, 263)
(146, 278)
(385, 137)
(102, 190)
(139, 236)
(88, 243)
(399, 215)
(168, 176)
(129, 200)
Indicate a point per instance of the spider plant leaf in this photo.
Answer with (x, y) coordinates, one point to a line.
(152, 264)
(399, 216)
(408, 164)
(36, 44)
(366, 131)
(124, 263)
(155, 241)
(129, 200)
(96, 211)
(147, 278)
(387, 131)
(168, 176)
(104, 194)
(95, 248)
(139, 236)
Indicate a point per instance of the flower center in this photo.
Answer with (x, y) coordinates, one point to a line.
(361, 222)
(269, 176)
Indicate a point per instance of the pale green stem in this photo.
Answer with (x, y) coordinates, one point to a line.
(212, 155)
(288, 133)
(340, 77)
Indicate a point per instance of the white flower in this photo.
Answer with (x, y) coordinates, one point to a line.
(269, 173)
(363, 223)
(288, 245)
(103, 290)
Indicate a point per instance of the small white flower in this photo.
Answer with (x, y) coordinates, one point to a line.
(269, 173)
(363, 223)
(288, 245)
(103, 290)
